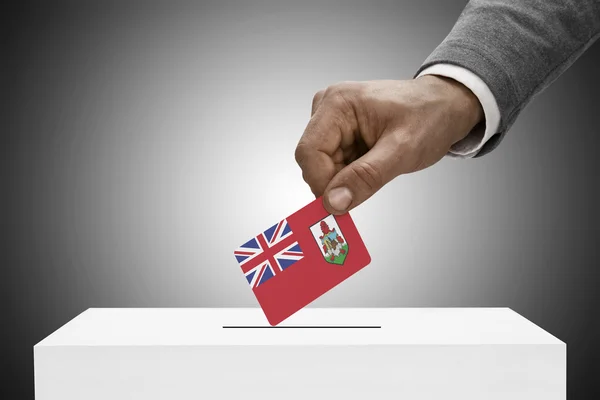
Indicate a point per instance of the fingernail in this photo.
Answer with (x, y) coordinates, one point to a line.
(340, 198)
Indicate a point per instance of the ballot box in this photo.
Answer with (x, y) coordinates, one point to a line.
(318, 353)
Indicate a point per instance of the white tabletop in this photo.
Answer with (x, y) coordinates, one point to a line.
(310, 326)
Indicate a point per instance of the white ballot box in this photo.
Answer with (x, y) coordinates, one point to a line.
(345, 354)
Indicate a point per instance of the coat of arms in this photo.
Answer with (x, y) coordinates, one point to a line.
(329, 237)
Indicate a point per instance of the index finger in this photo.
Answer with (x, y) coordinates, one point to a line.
(318, 152)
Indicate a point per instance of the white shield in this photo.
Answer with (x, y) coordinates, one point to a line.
(332, 243)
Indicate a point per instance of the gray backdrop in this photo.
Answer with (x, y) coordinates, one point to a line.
(143, 142)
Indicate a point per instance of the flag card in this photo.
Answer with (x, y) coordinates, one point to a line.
(300, 258)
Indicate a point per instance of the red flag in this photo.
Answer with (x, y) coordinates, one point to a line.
(300, 258)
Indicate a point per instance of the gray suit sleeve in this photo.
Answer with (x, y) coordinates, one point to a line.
(518, 48)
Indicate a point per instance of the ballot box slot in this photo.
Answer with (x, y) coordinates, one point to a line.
(302, 327)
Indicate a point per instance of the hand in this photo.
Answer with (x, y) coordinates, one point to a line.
(362, 135)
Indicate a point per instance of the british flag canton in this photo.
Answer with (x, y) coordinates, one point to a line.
(269, 253)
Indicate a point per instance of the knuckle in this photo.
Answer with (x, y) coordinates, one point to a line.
(411, 147)
(318, 96)
(339, 100)
(412, 156)
(369, 175)
(336, 90)
(343, 96)
(397, 142)
(300, 153)
(333, 90)
(305, 177)
(406, 144)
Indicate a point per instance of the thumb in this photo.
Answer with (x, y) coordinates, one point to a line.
(361, 179)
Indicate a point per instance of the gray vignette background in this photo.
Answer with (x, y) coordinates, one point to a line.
(143, 141)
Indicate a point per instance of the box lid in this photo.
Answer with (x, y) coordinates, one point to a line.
(309, 326)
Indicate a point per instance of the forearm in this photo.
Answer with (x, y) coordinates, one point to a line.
(518, 47)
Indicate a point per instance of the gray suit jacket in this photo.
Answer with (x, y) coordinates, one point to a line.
(518, 48)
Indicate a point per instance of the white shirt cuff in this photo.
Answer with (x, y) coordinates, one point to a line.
(470, 145)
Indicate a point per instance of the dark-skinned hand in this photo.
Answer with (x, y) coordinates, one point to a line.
(362, 135)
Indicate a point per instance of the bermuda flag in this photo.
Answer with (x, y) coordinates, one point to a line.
(300, 258)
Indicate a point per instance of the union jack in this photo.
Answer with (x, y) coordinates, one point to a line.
(269, 253)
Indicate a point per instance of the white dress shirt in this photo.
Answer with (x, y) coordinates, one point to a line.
(470, 145)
